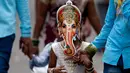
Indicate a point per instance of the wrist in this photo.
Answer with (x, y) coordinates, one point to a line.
(35, 42)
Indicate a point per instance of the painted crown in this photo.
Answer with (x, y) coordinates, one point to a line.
(68, 12)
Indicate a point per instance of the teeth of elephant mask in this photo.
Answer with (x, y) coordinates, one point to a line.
(68, 18)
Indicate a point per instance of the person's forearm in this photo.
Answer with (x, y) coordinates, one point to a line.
(101, 39)
(41, 12)
(93, 17)
(95, 22)
(24, 15)
(38, 28)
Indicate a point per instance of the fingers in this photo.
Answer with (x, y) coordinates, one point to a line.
(35, 50)
(76, 59)
(61, 68)
(86, 61)
(29, 49)
(24, 49)
(26, 46)
(62, 72)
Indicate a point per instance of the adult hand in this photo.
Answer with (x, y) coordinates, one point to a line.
(26, 46)
(35, 50)
(85, 59)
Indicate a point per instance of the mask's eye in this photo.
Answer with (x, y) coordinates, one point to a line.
(73, 26)
(64, 26)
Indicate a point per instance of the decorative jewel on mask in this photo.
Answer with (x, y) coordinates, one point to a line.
(74, 38)
(77, 32)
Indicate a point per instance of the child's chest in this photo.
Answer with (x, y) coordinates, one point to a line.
(70, 66)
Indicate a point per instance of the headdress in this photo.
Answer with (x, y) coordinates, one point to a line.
(68, 12)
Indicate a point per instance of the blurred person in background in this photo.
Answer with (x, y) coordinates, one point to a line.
(46, 17)
(8, 10)
(114, 37)
(102, 6)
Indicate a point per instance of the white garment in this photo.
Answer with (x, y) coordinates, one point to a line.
(40, 69)
(69, 65)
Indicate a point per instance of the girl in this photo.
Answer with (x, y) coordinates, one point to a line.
(70, 55)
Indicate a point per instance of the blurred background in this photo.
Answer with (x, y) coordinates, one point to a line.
(19, 63)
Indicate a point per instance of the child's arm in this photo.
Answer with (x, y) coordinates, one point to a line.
(52, 64)
(43, 59)
(93, 17)
(52, 61)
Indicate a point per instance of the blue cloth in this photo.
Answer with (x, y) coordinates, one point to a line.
(8, 10)
(111, 69)
(5, 52)
(115, 34)
(43, 59)
(115, 69)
